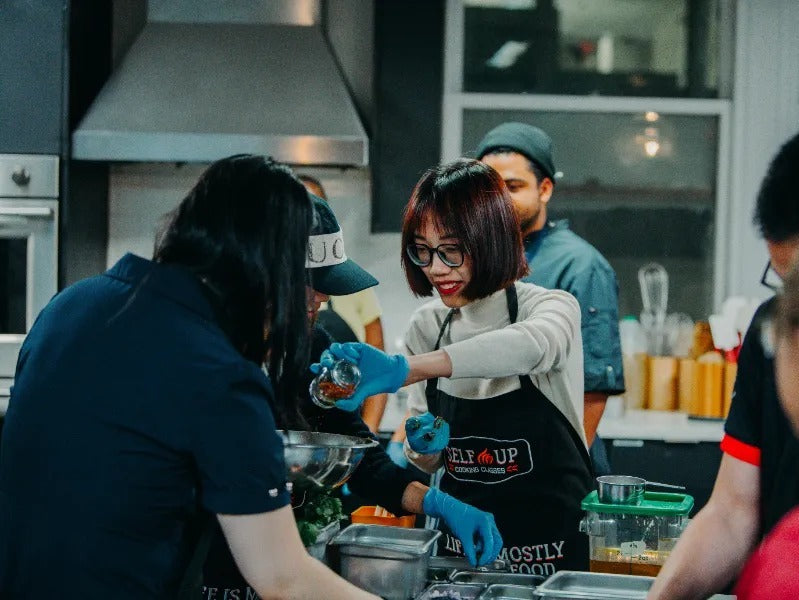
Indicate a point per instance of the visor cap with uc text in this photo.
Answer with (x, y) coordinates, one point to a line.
(332, 273)
(528, 140)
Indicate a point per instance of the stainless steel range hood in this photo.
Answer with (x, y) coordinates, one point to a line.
(198, 92)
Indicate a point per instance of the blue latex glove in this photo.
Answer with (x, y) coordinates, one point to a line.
(475, 528)
(396, 452)
(427, 434)
(381, 373)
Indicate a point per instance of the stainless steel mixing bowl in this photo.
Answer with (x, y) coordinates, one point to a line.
(322, 459)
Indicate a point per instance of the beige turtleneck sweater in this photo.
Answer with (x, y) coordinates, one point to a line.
(488, 353)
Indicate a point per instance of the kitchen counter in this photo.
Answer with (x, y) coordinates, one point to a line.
(664, 446)
(667, 426)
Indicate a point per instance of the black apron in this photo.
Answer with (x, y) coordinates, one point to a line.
(516, 456)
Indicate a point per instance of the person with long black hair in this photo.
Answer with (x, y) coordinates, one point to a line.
(140, 409)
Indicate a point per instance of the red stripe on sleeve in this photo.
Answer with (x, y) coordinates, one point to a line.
(740, 450)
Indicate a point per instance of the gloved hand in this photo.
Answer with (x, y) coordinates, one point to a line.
(427, 434)
(380, 372)
(475, 528)
(396, 452)
(326, 360)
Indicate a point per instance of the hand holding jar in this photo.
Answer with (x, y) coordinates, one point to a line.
(335, 382)
(379, 372)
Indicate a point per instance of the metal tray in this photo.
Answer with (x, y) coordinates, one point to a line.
(390, 562)
(439, 575)
(461, 563)
(489, 577)
(451, 591)
(579, 585)
(500, 591)
(386, 542)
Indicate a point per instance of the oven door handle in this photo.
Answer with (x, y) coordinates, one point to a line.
(26, 211)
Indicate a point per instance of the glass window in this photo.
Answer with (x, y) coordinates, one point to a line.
(666, 48)
(640, 187)
(13, 284)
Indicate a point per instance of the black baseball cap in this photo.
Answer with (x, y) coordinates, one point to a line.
(525, 139)
(331, 271)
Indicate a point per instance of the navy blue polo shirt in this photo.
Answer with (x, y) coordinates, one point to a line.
(560, 259)
(129, 409)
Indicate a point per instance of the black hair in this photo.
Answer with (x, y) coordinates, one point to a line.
(777, 209)
(533, 165)
(243, 231)
(468, 200)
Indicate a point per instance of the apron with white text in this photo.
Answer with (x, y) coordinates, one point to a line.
(516, 456)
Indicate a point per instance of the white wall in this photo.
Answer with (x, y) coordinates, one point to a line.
(765, 114)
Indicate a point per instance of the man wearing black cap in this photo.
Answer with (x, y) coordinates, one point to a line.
(331, 271)
(560, 259)
(355, 317)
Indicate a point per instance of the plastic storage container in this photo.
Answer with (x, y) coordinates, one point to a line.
(634, 539)
(367, 516)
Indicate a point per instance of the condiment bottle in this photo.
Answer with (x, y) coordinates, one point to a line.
(335, 383)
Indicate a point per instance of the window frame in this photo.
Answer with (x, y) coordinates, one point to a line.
(455, 101)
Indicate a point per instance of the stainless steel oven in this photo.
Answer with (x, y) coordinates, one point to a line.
(28, 248)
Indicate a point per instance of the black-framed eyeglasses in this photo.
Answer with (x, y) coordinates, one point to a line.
(770, 279)
(422, 254)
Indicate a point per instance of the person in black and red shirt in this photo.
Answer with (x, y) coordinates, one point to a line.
(758, 481)
(772, 572)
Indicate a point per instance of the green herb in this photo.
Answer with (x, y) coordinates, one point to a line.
(319, 509)
(308, 532)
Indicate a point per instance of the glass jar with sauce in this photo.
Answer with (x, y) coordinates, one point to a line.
(335, 383)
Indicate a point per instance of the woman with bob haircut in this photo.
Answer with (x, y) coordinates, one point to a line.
(495, 369)
(140, 400)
